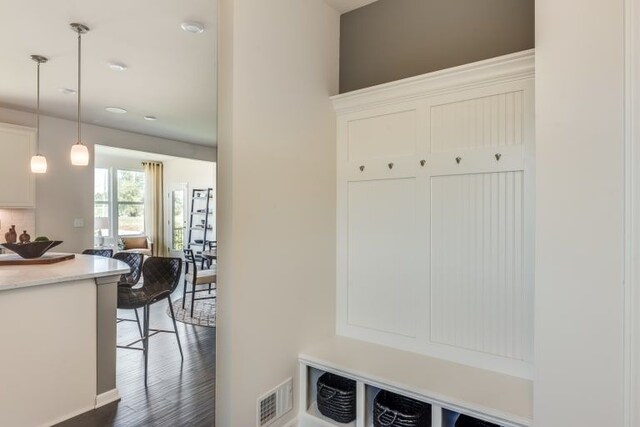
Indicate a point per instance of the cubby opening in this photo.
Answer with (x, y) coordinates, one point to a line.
(449, 419)
(313, 374)
(370, 395)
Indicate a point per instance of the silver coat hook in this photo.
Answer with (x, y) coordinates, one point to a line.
(423, 162)
(362, 168)
(390, 165)
(458, 160)
(498, 155)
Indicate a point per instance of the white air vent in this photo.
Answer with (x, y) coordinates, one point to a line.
(275, 403)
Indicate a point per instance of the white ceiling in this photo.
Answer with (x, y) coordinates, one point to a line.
(171, 74)
(344, 6)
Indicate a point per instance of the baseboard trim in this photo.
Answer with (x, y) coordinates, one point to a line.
(292, 423)
(67, 417)
(107, 397)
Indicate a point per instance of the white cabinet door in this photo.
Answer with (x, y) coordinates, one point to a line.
(383, 281)
(17, 183)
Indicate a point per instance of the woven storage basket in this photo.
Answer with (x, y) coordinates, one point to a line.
(467, 421)
(392, 410)
(337, 398)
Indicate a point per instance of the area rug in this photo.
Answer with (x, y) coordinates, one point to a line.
(204, 312)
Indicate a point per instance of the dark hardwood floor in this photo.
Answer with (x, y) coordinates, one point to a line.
(177, 395)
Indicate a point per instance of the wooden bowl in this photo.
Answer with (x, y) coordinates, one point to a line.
(32, 249)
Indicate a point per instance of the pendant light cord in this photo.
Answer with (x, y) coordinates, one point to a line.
(79, 84)
(38, 111)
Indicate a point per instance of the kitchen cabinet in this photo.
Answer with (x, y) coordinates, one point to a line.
(17, 145)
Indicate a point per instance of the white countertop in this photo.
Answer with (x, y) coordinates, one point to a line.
(80, 268)
(494, 394)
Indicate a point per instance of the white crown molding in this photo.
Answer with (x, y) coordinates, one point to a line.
(502, 69)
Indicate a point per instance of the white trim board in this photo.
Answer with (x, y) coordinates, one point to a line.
(107, 397)
(67, 416)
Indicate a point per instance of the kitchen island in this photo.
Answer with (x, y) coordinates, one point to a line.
(57, 339)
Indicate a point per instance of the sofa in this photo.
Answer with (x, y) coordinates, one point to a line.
(138, 244)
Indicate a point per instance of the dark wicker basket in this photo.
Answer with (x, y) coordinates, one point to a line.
(392, 410)
(337, 397)
(467, 421)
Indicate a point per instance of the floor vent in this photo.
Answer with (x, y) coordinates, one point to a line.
(275, 403)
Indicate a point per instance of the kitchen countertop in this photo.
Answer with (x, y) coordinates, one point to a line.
(80, 268)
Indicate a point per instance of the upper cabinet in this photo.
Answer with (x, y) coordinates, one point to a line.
(436, 214)
(17, 183)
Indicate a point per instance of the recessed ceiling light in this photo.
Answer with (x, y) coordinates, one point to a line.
(192, 27)
(151, 118)
(117, 66)
(116, 110)
(67, 91)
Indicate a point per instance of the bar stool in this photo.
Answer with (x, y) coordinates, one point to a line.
(108, 253)
(161, 277)
(131, 279)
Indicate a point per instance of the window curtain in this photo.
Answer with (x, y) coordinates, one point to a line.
(153, 206)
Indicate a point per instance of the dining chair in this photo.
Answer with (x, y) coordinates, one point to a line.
(161, 278)
(134, 261)
(108, 253)
(197, 278)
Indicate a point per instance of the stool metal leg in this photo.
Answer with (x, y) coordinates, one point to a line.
(184, 290)
(175, 327)
(135, 310)
(193, 297)
(146, 342)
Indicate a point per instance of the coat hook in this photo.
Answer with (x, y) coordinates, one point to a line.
(498, 155)
(390, 165)
(458, 160)
(423, 162)
(362, 168)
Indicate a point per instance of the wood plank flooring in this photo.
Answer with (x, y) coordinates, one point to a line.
(177, 395)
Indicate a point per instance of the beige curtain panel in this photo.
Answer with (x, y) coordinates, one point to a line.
(154, 206)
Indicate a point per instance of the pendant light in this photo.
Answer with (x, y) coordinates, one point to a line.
(38, 162)
(79, 151)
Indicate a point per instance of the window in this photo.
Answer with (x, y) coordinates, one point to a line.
(130, 203)
(118, 202)
(101, 202)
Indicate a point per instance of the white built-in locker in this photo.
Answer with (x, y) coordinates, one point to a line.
(435, 214)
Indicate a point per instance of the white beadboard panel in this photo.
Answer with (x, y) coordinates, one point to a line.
(478, 285)
(389, 134)
(484, 122)
(382, 272)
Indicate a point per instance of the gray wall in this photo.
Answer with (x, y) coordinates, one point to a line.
(393, 39)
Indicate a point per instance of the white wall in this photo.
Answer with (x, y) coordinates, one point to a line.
(65, 192)
(118, 162)
(580, 159)
(276, 195)
(194, 173)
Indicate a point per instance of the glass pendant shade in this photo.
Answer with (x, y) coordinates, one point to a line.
(79, 155)
(79, 151)
(39, 164)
